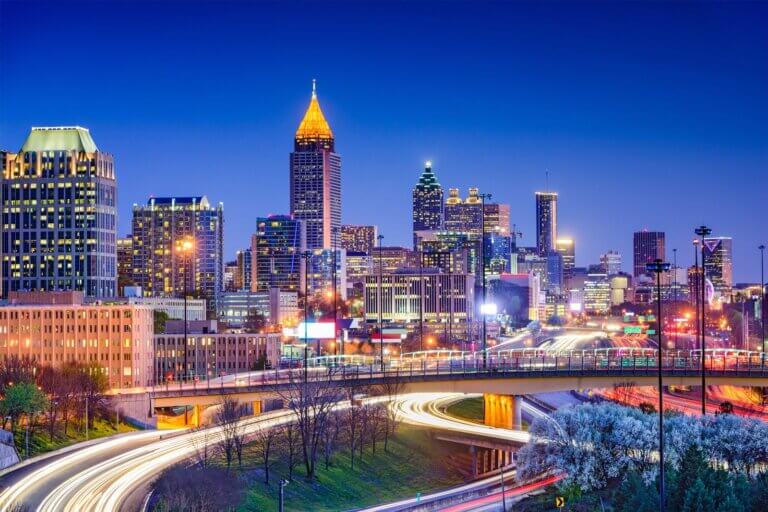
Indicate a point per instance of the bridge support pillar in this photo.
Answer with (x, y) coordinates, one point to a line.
(256, 407)
(502, 411)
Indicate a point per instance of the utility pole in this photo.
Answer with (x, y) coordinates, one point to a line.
(483, 197)
(657, 267)
(763, 319)
(381, 302)
(703, 231)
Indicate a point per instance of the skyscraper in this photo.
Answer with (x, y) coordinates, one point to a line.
(427, 203)
(358, 238)
(567, 248)
(160, 267)
(610, 263)
(464, 216)
(276, 249)
(718, 263)
(315, 177)
(546, 222)
(497, 219)
(647, 246)
(124, 263)
(59, 227)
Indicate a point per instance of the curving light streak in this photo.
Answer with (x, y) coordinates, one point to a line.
(425, 409)
(12, 494)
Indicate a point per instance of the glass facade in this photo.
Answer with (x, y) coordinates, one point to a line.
(59, 215)
(427, 203)
(546, 222)
(276, 249)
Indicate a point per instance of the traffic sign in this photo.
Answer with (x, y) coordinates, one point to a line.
(559, 501)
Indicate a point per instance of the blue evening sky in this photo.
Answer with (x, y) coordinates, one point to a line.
(647, 115)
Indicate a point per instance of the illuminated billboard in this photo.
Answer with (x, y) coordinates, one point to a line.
(315, 331)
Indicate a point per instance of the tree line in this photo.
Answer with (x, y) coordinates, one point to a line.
(52, 398)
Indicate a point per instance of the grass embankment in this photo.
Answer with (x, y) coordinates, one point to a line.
(414, 463)
(40, 441)
(471, 409)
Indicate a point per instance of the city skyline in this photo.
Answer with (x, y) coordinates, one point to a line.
(582, 157)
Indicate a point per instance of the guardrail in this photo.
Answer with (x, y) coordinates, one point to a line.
(577, 364)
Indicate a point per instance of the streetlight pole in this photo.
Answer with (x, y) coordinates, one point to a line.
(334, 235)
(421, 300)
(674, 288)
(657, 267)
(703, 231)
(483, 197)
(381, 302)
(306, 256)
(762, 298)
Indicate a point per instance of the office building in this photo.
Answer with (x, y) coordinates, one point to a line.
(243, 271)
(230, 270)
(497, 219)
(610, 263)
(445, 297)
(546, 222)
(276, 254)
(358, 238)
(59, 214)
(392, 258)
(359, 265)
(718, 264)
(647, 246)
(427, 203)
(241, 309)
(55, 328)
(315, 178)
(171, 306)
(567, 249)
(555, 272)
(498, 254)
(124, 264)
(161, 264)
(466, 215)
(321, 273)
(597, 294)
(452, 251)
(214, 355)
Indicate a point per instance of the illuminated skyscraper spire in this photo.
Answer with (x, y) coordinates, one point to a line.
(313, 126)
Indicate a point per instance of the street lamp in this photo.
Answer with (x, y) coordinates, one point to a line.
(657, 267)
(185, 248)
(281, 505)
(334, 236)
(703, 231)
(483, 197)
(381, 303)
(762, 297)
(306, 255)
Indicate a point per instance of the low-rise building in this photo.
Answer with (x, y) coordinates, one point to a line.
(55, 328)
(172, 306)
(214, 355)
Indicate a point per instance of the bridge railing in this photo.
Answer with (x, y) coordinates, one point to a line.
(519, 362)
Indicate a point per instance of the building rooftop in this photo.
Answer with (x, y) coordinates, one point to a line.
(59, 138)
(314, 125)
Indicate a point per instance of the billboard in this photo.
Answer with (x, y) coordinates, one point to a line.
(315, 331)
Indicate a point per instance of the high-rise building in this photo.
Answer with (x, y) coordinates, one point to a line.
(497, 218)
(358, 238)
(243, 271)
(315, 178)
(718, 264)
(567, 249)
(230, 271)
(124, 264)
(648, 246)
(276, 254)
(546, 222)
(59, 216)
(610, 263)
(464, 215)
(597, 294)
(555, 272)
(427, 203)
(161, 266)
(322, 274)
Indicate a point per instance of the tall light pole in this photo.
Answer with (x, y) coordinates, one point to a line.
(381, 302)
(334, 235)
(657, 267)
(186, 248)
(674, 287)
(762, 297)
(421, 300)
(703, 231)
(306, 255)
(483, 197)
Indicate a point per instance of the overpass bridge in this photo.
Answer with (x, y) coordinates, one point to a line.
(499, 376)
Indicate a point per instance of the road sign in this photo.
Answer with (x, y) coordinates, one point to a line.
(559, 502)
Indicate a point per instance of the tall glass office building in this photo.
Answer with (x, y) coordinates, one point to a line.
(59, 217)
(160, 267)
(427, 203)
(546, 222)
(276, 250)
(315, 178)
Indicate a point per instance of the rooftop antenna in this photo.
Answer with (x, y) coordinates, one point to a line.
(314, 88)
(546, 180)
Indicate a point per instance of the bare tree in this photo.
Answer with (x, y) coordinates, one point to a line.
(197, 489)
(232, 433)
(204, 452)
(265, 441)
(350, 424)
(289, 441)
(311, 397)
(331, 436)
(624, 391)
(392, 388)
